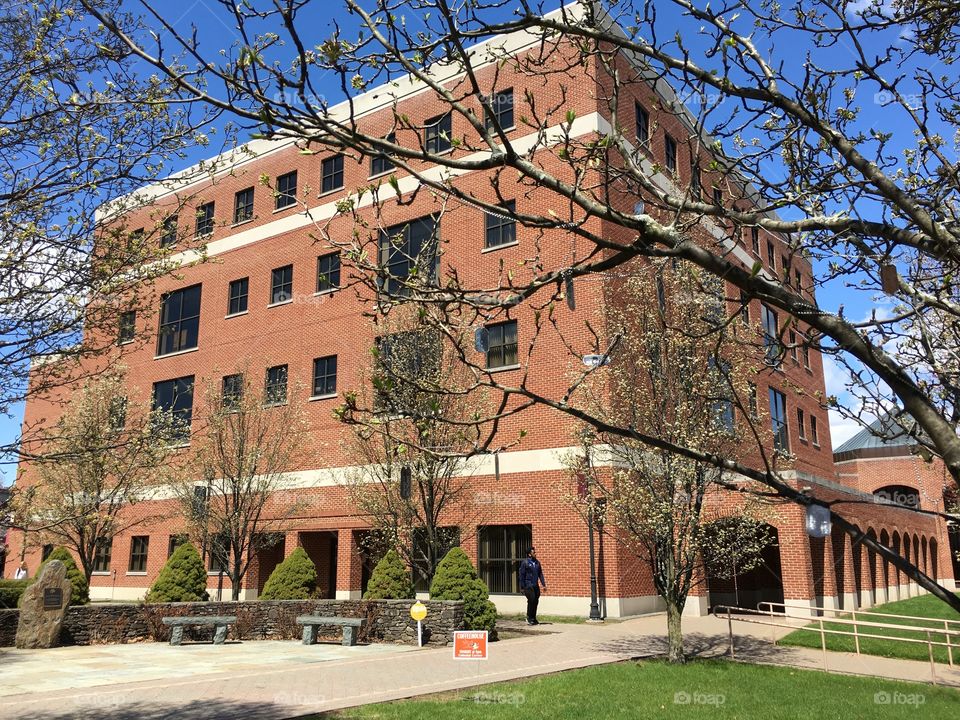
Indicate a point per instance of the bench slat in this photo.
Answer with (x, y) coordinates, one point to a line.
(208, 620)
(317, 620)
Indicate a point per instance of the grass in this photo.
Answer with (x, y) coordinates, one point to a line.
(714, 689)
(567, 619)
(924, 606)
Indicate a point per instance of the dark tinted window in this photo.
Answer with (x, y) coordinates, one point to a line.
(286, 190)
(204, 219)
(500, 548)
(502, 348)
(239, 289)
(179, 320)
(501, 228)
(325, 376)
(331, 173)
(409, 250)
(176, 397)
(275, 391)
(243, 206)
(281, 284)
(437, 133)
(328, 272)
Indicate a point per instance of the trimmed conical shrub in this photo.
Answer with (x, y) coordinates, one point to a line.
(293, 579)
(79, 589)
(456, 579)
(182, 579)
(390, 580)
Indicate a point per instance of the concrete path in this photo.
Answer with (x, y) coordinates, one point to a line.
(285, 679)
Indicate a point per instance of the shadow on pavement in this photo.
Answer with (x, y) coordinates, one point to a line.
(698, 645)
(96, 707)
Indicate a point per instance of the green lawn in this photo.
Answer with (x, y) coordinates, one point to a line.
(715, 689)
(924, 606)
(569, 619)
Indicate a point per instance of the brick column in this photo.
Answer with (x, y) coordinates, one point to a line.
(349, 565)
(828, 583)
(291, 541)
(796, 562)
(843, 557)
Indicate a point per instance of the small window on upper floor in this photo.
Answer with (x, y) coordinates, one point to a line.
(168, 233)
(328, 272)
(176, 398)
(502, 344)
(281, 284)
(128, 327)
(237, 297)
(275, 388)
(718, 197)
(670, 153)
(696, 184)
(437, 133)
(286, 192)
(643, 124)
(755, 240)
(771, 256)
(382, 163)
(231, 395)
(501, 227)
(502, 105)
(331, 174)
(179, 320)
(243, 206)
(204, 219)
(325, 376)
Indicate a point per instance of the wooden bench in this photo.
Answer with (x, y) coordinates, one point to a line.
(350, 626)
(218, 622)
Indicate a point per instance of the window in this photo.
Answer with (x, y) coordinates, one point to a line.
(755, 240)
(797, 281)
(328, 272)
(814, 436)
(232, 391)
(771, 256)
(502, 344)
(447, 539)
(785, 266)
(237, 303)
(500, 548)
(175, 542)
(717, 197)
(502, 229)
(752, 400)
(696, 184)
(331, 174)
(806, 351)
(670, 153)
(744, 307)
(402, 358)
(722, 404)
(408, 251)
(801, 431)
(325, 376)
(643, 124)
(437, 132)
(286, 192)
(778, 420)
(219, 553)
(792, 336)
(176, 397)
(204, 219)
(243, 206)
(179, 320)
(135, 239)
(502, 105)
(101, 555)
(382, 163)
(117, 413)
(168, 233)
(45, 551)
(138, 553)
(275, 390)
(128, 327)
(281, 285)
(771, 334)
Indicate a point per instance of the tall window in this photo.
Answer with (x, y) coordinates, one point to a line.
(409, 250)
(331, 174)
(204, 219)
(502, 344)
(139, 545)
(643, 124)
(814, 435)
(501, 228)
(792, 337)
(670, 153)
(239, 290)
(801, 425)
(755, 240)
(717, 197)
(502, 106)
(275, 390)
(500, 548)
(328, 272)
(101, 555)
(128, 327)
(45, 551)
(806, 351)
(286, 193)
(175, 542)
(797, 281)
(722, 403)
(752, 400)
(325, 376)
(243, 206)
(382, 163)
(696, 183)
(771, 334)
(437, 133)
(179, 320)
(744, 307)
(168, 234)
(281, 284)
(232, 392)
(402, 358)
(778, 420)
(771, 256)
(176, 397)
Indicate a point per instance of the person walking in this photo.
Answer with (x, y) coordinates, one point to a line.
(531, 578)
(21, 572)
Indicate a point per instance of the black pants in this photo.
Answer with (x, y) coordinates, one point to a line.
(533, 599)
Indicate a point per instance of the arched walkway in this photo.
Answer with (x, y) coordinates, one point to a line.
(763, 583)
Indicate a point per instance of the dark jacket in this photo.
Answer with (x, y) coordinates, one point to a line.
(530, 572)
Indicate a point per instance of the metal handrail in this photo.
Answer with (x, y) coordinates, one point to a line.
(853, 613)
(758, 617)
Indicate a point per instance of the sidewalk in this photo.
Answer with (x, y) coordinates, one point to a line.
(285, 679)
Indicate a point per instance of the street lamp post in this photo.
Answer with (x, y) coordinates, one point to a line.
(594, 602)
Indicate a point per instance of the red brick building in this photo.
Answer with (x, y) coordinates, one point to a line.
(267, 298)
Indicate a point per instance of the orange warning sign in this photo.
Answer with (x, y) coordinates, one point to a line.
(470, 645)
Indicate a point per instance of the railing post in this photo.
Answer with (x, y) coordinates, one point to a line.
(933, 667)
(823, 643)
(946, 627)
(856, 635)
(730, 629)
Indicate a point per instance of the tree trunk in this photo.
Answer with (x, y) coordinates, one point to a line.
(674, 633)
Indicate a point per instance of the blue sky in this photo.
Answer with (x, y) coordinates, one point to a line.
(212, 28)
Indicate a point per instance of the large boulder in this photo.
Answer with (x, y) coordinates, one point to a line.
(43, 606)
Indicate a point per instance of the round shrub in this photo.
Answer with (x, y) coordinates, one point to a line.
(79, 590)
(390, 580)
(456, 579)
(182, 579)
(293, 579)
(10, 592)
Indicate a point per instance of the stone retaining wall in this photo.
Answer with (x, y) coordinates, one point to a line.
(387, 621)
